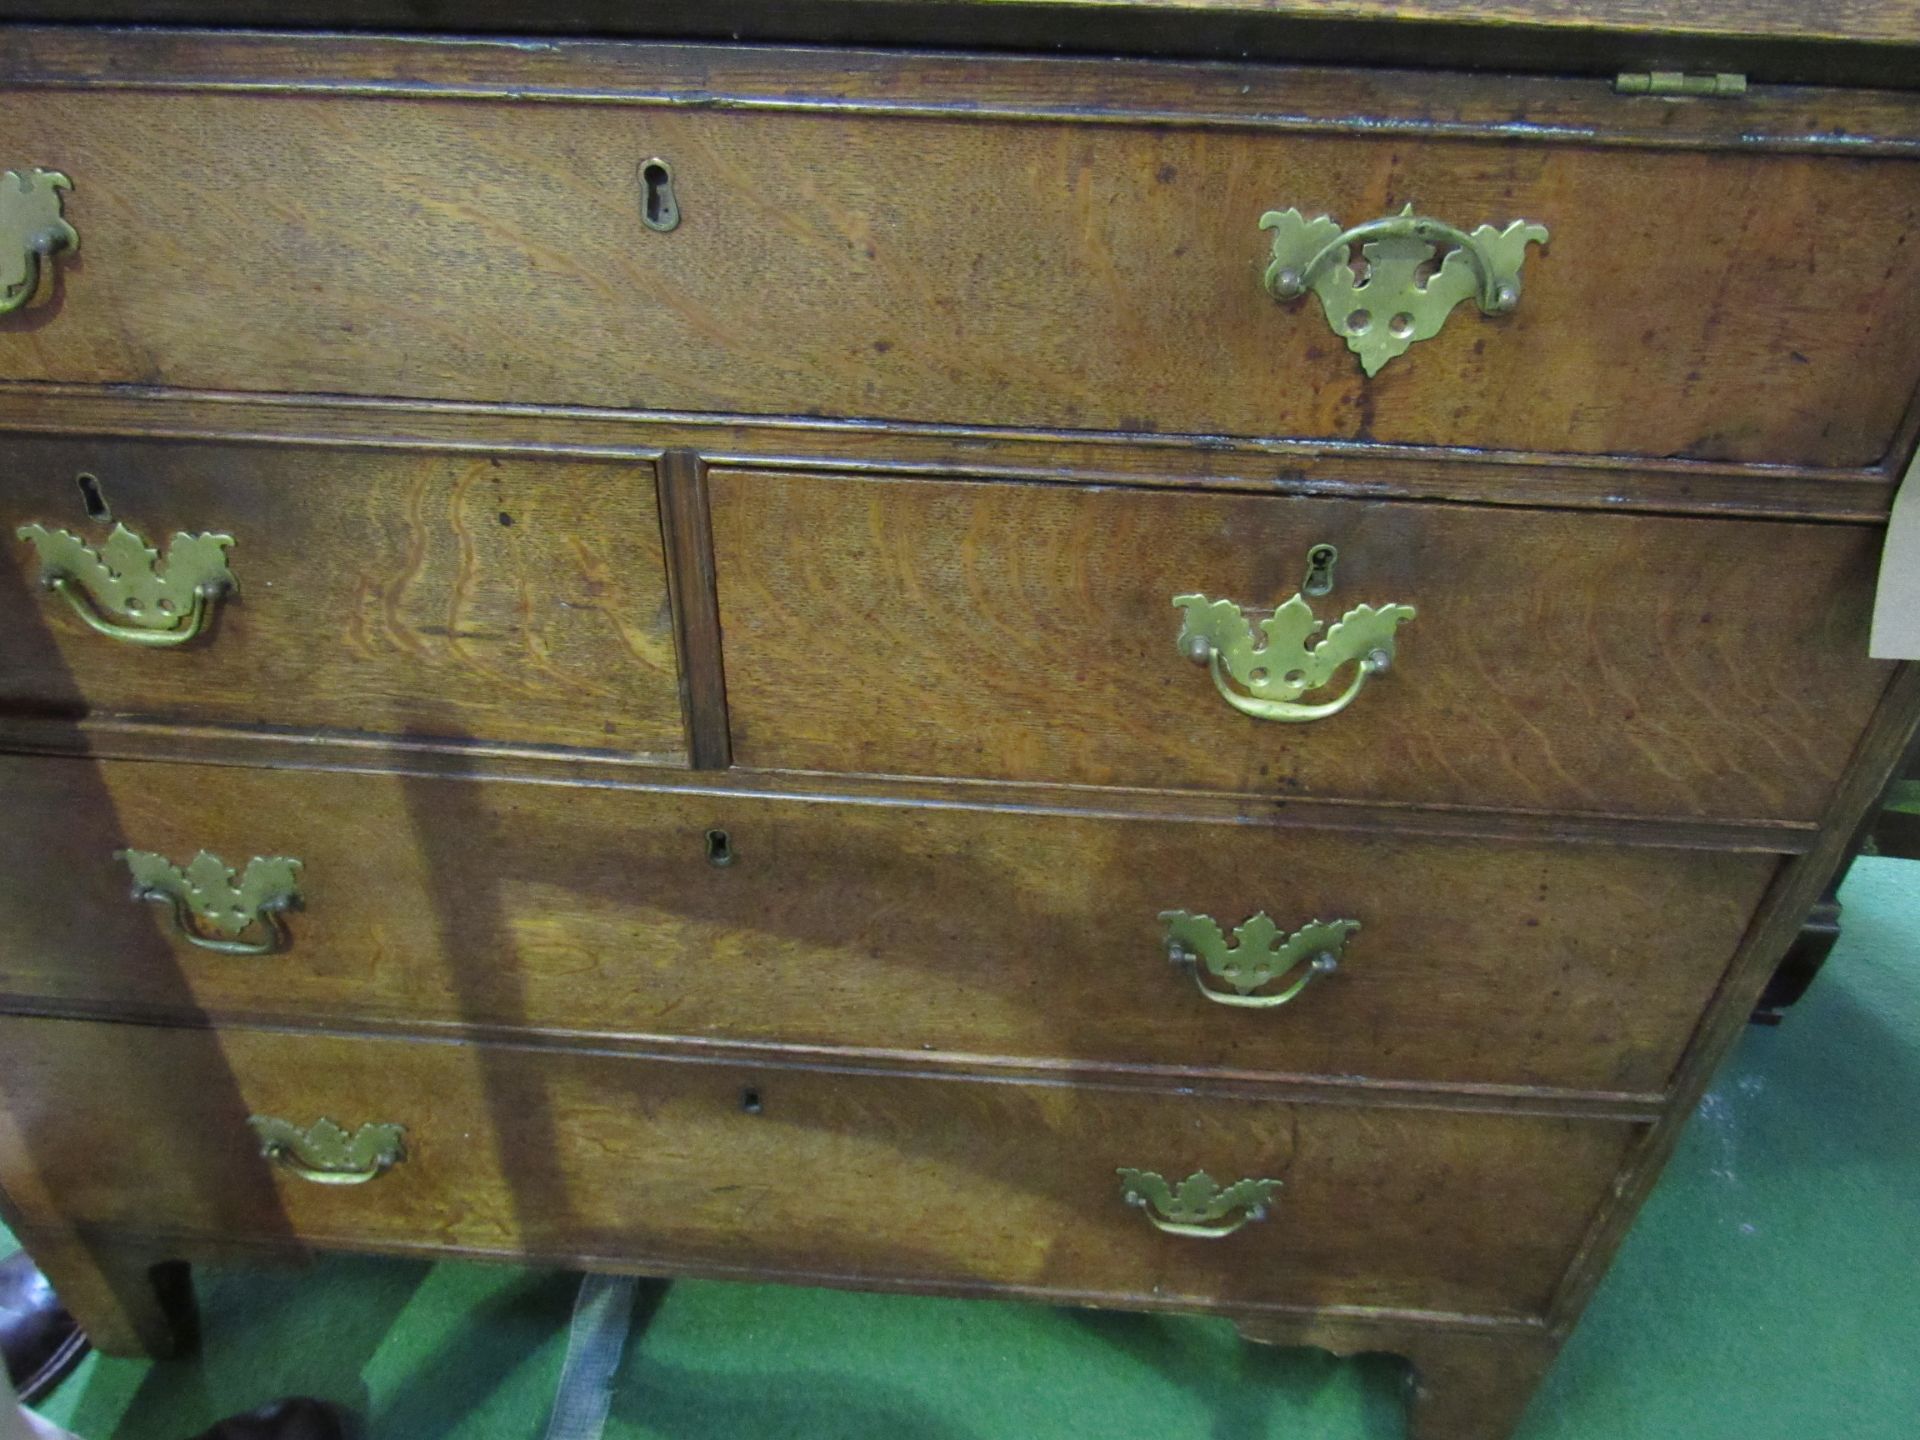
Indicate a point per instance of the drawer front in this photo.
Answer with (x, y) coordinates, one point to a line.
(1030, 938)
(1103, 277)
(457, 596)
(1566, 662)
(864, 1177)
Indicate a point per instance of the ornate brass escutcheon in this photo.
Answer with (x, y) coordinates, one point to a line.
(1403, 298)
(206, 894)
(33, 229)
(1199, 1205)
(126, 591)
(1261, 953)
(1269, 679)
(326, 1154)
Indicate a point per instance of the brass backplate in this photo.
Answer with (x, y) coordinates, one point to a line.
(210, 891)
(1404, 295)
(33, 228)
(326, 1152)
(1270, 678)
(1199, 1205)
(1260, 952)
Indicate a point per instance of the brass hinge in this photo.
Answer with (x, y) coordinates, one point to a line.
(1677, 82)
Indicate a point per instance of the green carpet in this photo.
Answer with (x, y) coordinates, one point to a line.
(1770, 1290)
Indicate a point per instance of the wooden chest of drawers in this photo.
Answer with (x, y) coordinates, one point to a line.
(600, 654)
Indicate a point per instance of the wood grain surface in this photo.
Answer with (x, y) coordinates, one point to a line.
(801, 1174)
(459, 596)
(1099, 277)
(1848, 42)
(871, 928)
(1617, 664)
(384, 310)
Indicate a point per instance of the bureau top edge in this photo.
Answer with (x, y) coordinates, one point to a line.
(1869, 42)
(1473, 104)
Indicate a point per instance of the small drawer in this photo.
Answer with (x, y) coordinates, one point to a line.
(1713, 301)
(1041, 941)
(432, 594)
(1540, 660)
(863, 1178)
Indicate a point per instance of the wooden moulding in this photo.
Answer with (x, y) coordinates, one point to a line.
(1359, 469)
(688, 537)
(1414, 101)
(1868, 41)
(107, 738)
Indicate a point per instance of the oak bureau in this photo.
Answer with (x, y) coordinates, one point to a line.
(1184, 656)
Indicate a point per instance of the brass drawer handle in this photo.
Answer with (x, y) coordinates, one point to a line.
(33, 229)
(1261, 954)
(126, 591)
(1272, 677)
(325, 1154)
(1381, 316)
(206, 894)
(1198, 1206)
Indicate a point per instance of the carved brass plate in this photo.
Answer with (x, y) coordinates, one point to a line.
(1269, 679)
(1260, 954)
(125, 590)
(206, 895)
(1199, 1205)
(1404, 297)
(326, 1154)
(33, 228)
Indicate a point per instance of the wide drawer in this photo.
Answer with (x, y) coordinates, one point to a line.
(1622, 664)
(807, 1174)
(1727, 305)
(452, 595)
(1022, 938)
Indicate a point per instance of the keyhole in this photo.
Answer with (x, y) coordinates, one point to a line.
(719, 848)
(90, 496)
(658, 209)
(1319, 579)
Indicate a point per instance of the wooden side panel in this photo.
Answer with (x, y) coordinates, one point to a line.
(1031, 939)
(1890, 741)
(458, 596)
(1101, 277)
(803, 1174)
(1622, 664)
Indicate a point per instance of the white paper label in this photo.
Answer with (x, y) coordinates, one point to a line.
(1896, 605)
